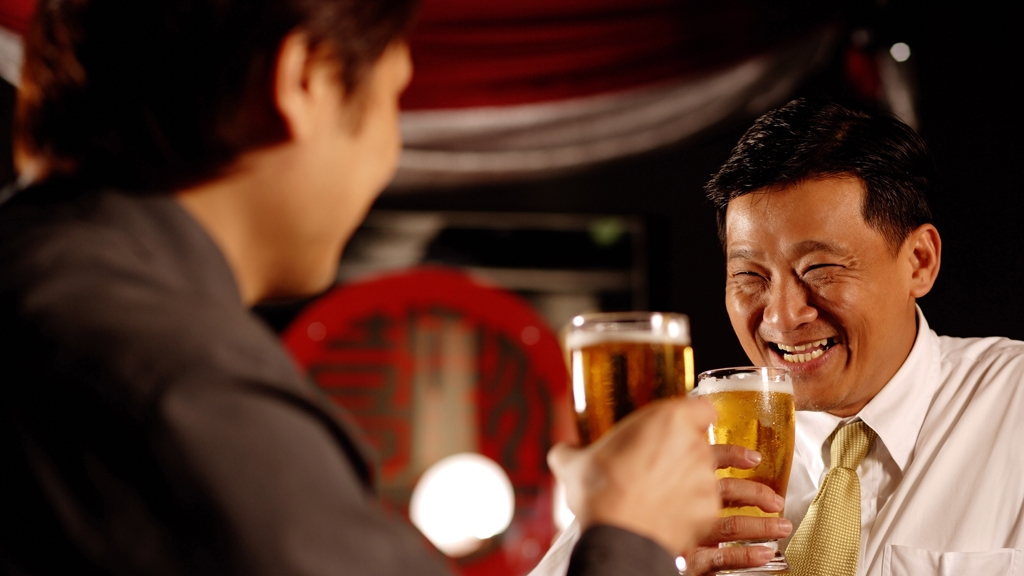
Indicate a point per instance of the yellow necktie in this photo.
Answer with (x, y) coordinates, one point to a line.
(827, 543)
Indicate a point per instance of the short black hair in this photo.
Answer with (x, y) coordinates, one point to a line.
(808, 139)
(146, 94)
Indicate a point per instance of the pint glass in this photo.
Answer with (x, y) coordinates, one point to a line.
(620, 361)
(755, 410)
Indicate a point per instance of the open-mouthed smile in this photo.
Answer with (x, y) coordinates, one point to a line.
(800, 353)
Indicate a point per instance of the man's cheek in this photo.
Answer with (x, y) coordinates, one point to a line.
(753, 349)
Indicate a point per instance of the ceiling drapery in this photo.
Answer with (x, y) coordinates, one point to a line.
(504, 90)
(15, 14)
(477, 54)
(473, 144)
(14, 17)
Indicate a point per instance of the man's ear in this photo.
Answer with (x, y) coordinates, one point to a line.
(302, 80)
(924, 250)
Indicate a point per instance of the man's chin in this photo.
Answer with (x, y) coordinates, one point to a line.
(813, 405)
(815, 393)
(316, 286)
(301, 286)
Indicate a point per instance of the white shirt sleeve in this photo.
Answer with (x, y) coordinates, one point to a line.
(556, 561)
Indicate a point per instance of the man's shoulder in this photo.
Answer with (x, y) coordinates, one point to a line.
(981, 349)
(979, 365)
(125, 289)
(61, 230)
(72, 261)
(40, 219)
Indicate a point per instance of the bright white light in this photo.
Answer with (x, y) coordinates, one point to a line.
(900, 52)
(563, 516)
(656, 322)
(460, 501)
(674, 329)
(578, 321)
(579, 392)
(681, 564)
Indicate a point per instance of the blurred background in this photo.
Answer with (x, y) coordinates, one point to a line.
(555, 153)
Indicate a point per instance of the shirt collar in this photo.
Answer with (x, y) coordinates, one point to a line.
(897, 412)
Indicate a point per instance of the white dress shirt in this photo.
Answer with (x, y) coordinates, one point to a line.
(942, 490)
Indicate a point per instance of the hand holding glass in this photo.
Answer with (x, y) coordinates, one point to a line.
(755, 410)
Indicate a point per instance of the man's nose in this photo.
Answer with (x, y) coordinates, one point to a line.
(788, 306)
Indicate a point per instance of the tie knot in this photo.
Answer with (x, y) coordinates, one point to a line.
(850, 444)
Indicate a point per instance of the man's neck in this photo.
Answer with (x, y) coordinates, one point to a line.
(228, 208)
(848, 411)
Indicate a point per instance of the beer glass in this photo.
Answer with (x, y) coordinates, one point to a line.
(620, 361)
(755, 410)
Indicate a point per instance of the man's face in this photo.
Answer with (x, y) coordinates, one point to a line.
(373, 125)
(813, 288)
(343, 163)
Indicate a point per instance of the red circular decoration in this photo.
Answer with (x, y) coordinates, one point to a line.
(376, 348)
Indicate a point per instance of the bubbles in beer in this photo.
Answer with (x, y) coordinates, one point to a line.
(613, 377)
(623, 360)
(757, 413)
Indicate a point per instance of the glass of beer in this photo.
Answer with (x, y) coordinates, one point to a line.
(755, 410)
(620, 361)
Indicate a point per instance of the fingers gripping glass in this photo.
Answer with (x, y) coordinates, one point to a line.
(755, 410)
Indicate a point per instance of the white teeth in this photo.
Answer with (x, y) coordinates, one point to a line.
(799, 358)
(802, 347)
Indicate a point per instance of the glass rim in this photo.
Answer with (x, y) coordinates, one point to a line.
(629, 324)
(626, 317)
(770, 371)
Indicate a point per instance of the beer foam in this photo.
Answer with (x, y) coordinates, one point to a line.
(578, 340)
(744, 382)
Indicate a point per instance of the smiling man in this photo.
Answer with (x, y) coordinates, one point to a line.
(907, 457)
(813, 287)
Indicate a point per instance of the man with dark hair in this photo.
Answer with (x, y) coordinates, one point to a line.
(907, 458)
(806, 140)
(180, 161)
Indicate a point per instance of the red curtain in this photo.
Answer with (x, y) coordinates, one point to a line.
(470, 53)
(15, 14)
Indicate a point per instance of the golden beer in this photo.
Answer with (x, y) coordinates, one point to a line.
(619, 362)
(761, 420)
(755, 410)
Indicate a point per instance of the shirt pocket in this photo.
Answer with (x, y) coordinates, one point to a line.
(906, 561)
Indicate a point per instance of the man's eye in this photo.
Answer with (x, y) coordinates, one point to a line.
(747, 275)
(814, 267)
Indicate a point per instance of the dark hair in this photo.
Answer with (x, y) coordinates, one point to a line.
(164, 93)
(808, 139)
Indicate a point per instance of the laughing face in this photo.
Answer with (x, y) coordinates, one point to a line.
(813, 288)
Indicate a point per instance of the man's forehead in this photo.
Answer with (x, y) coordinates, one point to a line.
(799, 249)
(810, 216)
